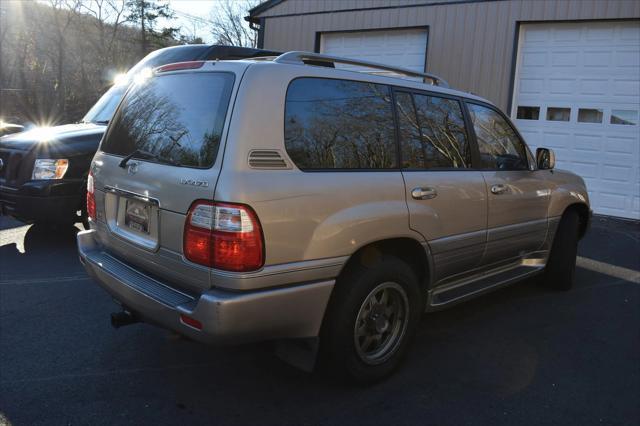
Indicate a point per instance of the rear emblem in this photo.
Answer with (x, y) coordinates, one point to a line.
(193, 182)
(132, 168)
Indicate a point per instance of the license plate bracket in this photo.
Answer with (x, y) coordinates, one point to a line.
(136, 216)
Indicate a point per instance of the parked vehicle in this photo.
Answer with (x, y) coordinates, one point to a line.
(249, 200)
(43, 176)
(8, 128)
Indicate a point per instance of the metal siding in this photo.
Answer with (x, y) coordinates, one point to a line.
(471, 44)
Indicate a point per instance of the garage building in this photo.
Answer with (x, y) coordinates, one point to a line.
(568, 71)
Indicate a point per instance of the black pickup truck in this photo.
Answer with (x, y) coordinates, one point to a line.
(43, 171)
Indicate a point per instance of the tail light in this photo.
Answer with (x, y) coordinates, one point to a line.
(91, 198)
(223, 236)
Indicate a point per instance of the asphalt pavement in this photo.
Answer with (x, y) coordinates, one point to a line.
(523, 355)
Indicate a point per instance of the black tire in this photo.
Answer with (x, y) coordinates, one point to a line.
(561, 267)
(339, 350)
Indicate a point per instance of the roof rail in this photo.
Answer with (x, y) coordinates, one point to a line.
(300, 58)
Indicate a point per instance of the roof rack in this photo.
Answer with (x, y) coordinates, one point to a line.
(300, 58)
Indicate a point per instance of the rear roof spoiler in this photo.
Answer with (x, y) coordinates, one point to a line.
(235, 52)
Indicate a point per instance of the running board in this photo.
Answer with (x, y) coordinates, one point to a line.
(472, 287)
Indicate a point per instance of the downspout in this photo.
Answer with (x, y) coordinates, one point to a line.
(259, 28)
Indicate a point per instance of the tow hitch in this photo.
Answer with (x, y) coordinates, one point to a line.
(122, 318)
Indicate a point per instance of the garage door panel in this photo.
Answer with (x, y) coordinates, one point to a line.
(596, 58)
(399, 47)
(628, 88)
(623, 145)
(627, 58)
(586, 66)
(588, 143)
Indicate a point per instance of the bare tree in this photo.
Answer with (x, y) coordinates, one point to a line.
(109, 16)
(57, 57)
(66, 10)
(228, 25)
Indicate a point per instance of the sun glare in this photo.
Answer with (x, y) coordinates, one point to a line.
(120, 79)
(42, 134)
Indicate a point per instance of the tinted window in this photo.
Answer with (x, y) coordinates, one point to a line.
(338, 124)
(432, 132)
(500, 148)
(177, 118)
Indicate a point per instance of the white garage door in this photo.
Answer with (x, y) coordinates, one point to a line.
(577, 91)
(402, 48)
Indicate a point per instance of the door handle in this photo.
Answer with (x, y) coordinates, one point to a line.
(498, 189)
(424, 193)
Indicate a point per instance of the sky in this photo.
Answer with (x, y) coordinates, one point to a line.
(186, 10)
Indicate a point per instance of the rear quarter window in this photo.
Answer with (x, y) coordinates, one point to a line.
(178, 118)
(339, 124)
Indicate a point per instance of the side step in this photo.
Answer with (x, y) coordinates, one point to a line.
(468, 288)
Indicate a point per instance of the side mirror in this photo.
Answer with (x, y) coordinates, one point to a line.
(545, 158)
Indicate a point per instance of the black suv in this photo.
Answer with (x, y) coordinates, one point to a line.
(43, 171)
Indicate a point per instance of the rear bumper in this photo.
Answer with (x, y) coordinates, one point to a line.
(41, 200)
(226, 317)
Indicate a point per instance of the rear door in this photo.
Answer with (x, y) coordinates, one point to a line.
(446, 198)
(518, 193)
(172, 126)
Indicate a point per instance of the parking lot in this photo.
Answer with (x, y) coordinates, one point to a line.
(522, 355)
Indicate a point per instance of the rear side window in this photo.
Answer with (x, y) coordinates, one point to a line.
(499, 145)
(432, 132)
(339, 124)
(173, 118)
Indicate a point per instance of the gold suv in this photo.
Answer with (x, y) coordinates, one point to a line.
(291, 199)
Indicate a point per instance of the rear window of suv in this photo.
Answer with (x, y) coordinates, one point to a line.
(176, 118)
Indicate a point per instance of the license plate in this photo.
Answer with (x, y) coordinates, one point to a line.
(137, 215)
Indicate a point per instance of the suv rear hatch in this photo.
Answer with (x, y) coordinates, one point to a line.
(159, 155)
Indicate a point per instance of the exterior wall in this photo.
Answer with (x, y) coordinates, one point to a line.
(471, 43)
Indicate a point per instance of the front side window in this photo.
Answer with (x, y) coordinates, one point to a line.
(499, 145)
(432, 132)
(339, 124)
(174, 118)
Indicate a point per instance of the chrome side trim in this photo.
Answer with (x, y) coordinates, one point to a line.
(516, 230)
(457, 242)
(457, 253)
(515, 241)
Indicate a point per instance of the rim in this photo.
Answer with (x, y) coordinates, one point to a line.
(381, 323)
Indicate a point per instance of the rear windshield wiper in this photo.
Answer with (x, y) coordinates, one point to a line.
(101, 122)
(149, 155)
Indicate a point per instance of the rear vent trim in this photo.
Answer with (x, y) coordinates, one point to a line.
(269, 159)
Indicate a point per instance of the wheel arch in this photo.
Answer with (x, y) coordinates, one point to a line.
(410, 250)
(584, 213)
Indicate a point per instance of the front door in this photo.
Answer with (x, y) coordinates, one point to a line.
(518, 195)
(447, 200)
